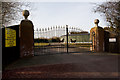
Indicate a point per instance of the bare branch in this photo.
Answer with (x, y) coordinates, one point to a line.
(11, 11)
(111, 12)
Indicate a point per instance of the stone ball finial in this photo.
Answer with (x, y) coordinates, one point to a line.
(66, 26)
(96, 21)
(26, 13)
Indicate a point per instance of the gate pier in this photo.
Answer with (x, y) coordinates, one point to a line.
(26, 35)
(97, 37)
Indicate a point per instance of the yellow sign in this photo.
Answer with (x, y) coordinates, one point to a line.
(10, 37)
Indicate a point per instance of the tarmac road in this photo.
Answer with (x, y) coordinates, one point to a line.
(72, 65)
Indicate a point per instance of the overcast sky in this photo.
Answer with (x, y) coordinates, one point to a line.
(78, 13)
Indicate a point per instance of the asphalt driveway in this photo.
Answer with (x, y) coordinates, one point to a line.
(72, 65)
(65, 65)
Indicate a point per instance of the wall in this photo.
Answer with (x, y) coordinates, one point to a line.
(10, 53)
(113, 47)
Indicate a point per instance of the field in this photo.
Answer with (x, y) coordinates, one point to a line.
(41, 44)
(80, 44)
(70, 44)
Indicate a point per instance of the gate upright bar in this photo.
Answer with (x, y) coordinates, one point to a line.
(67, 36)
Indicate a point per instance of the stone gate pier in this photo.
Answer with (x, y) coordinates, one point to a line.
(104, 40)
(26, 34)
(97, 37)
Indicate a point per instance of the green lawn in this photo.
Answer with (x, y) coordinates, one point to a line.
(80, 44)
(41, 44)
(70, 44)
(88, 45)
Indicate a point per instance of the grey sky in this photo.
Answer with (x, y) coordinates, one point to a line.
(76, 14)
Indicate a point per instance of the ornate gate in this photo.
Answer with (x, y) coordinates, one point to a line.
(53, 40)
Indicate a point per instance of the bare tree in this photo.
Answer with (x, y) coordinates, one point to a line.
(111, 11)
(11, 11)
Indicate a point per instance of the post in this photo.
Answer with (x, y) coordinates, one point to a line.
(67, 36)
(1, 68)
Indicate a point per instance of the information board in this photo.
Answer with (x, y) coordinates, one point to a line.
(112, 39)
(10, 37)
